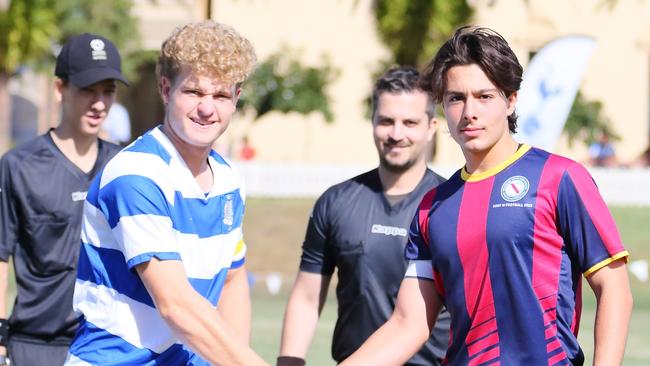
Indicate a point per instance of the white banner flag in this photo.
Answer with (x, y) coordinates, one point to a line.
(549, 87)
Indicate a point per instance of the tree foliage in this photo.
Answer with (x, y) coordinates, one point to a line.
(282, 83)
(586, 121)
(27, 28)
(111, 19)
(35, 29)
(414, 29)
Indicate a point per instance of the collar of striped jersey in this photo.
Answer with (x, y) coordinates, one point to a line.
(493, 171)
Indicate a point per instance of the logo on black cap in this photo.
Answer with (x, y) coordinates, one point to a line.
(98, 49)
(86, 59)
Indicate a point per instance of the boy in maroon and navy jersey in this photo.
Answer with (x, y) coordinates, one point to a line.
(504, 242)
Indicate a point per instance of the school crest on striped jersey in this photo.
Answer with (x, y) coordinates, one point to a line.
(515, 188)
(228, 213)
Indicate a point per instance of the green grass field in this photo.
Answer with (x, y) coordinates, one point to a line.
(274, 231)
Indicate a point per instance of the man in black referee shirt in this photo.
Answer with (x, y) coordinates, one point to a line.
(43, 186)
(360, 228)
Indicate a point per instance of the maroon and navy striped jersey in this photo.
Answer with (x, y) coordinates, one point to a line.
(507, 249)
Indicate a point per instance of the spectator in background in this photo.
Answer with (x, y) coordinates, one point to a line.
(601, 152)
(246, 151)
(43, 185)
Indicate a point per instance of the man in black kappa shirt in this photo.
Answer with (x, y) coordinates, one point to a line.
(360, 227)
(43, 186)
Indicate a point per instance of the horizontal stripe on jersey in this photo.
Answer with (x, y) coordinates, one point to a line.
(147, 204)
(122, 353)
(133, 195)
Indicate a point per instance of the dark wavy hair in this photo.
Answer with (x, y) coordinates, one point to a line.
(480, 46)
(400, 79)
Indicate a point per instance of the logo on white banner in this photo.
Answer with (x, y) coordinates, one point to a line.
(549, 87)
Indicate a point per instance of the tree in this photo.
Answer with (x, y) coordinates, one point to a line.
(27, 27)
(111, 19)
(414, 29)
(282, 83)
(33, 30)
(586, 122)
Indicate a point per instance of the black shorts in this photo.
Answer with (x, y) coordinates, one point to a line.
(30, 354)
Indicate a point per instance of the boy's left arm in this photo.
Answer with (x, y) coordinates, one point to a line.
(613, 309)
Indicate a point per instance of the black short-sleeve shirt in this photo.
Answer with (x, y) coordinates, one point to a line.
(41, 201)
(354, 229)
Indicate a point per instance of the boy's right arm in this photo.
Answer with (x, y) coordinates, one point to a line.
(192, 318)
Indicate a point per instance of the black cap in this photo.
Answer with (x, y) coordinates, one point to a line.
(87, 59)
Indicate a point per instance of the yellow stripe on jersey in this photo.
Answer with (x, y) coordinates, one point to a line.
(493, 171)
(241, 247)
(622, 255)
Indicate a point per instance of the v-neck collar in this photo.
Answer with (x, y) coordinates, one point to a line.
(390, 209)
(72, 167)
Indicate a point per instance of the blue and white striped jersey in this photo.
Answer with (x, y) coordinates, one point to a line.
(145, 204)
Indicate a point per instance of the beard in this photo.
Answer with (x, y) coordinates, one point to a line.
(394, 167)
